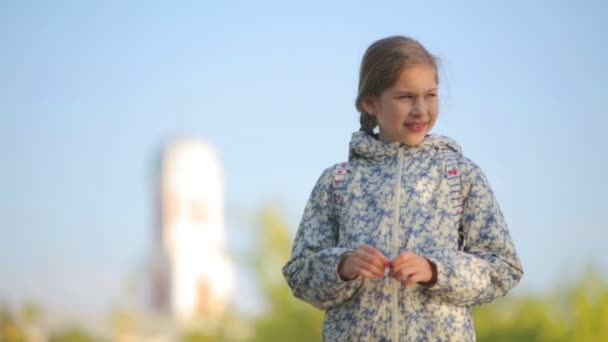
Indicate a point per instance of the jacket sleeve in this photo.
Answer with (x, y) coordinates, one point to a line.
(312, 271)
(488, 267)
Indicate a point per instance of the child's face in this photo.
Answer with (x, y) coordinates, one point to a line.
(407, 110)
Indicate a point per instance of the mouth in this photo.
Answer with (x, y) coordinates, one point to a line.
(416, 127)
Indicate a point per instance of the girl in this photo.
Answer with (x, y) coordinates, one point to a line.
(400, 242)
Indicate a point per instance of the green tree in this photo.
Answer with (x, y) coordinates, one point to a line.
(577, 312)
(286, 318)
(72, 334)
(9, 329)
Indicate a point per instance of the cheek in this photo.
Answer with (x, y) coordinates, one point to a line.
(400, 109)
(433, 108)
(393, 112)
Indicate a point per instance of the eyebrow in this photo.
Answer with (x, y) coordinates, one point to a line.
(407, 92)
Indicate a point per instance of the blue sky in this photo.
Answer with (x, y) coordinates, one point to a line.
(90, 91)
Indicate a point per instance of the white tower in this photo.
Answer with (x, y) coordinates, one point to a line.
(198, 277)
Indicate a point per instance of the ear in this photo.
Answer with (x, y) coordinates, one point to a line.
(370, 105)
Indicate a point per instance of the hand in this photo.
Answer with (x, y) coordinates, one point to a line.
(410, 268)
(366, 261)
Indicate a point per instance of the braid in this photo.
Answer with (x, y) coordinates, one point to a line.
(368, 123)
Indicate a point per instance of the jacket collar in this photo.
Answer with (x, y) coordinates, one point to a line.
(366, 146)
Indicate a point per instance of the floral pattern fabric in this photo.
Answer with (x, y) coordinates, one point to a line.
(399, 198)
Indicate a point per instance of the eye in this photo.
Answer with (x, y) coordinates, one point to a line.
(406, 96)
(431, 95)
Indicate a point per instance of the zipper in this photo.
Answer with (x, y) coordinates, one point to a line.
(395, 247)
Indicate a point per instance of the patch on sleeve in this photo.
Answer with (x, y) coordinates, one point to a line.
(339, 177)
(452, 174)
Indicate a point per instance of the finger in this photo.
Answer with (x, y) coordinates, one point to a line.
(413, 279)
(376, 253)
(407, 268)
(366, 274)
(394, 275)
(373, 260)
(370, 267)
(404, 273)
(403, 258)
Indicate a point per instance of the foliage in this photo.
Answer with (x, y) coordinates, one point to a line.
(578, 312)
(574, 312)
(286, 318)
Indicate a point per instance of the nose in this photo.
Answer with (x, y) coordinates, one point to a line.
(420, 108)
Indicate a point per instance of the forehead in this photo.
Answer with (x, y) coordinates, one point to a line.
(416, 77)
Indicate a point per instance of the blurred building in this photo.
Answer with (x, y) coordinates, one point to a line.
(192, 276)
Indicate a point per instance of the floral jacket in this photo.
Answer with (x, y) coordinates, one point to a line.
(428, 199)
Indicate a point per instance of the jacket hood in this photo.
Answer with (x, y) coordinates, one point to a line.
(366, 146)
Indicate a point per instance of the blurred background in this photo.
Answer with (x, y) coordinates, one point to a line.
(156, 157)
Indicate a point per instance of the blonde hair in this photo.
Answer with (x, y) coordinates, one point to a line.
(382, 64)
